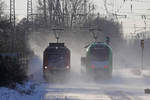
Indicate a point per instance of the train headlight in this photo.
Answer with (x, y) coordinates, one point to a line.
(67, 67)
(45, 67)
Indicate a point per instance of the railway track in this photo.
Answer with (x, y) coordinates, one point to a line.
(86, 94)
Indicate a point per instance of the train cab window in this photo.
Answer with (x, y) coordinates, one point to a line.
(56, 60)
(99, 54)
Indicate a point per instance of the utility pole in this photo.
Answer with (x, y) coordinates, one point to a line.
(12, 13)
(29, 15)
(13, 23)
(29, 11)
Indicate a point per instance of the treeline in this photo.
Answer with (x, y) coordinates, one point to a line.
(13, 49)
(12, 41)
(64, 13)
(74, 16)
(11, 72)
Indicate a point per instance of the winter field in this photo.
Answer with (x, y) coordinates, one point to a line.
(125, 84)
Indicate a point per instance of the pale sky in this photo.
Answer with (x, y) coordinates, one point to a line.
(139, 8)
(21, 7)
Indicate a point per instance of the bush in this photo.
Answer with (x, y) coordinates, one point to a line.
(11, 72)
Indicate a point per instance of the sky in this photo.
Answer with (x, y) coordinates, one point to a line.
(21, 7)
(140, 7)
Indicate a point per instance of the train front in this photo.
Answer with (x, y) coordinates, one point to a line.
(56, 62)
(99, 60)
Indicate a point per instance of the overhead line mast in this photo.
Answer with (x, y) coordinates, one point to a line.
(13, 23)
(12, 13)
(29, 11)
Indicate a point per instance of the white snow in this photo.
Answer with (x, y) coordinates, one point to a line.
(126, 84)
(9, 94)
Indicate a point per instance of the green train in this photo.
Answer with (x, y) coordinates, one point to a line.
(98, 61)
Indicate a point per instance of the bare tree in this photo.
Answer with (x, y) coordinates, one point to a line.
(63, 12)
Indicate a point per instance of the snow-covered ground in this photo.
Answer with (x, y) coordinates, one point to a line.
(124, 85)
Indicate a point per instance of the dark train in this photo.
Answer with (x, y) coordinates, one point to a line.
(98, 60)
(56, 62)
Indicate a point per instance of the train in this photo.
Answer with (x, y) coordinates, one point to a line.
(98, 60)
(56, 62)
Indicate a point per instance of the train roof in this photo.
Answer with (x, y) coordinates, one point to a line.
(97, 44)
(56, 46)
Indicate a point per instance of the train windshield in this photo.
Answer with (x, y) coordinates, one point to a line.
(56, 60)
(99, 54)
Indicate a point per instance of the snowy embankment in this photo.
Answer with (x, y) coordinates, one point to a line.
(126, 84)
(21, 92)
(28, 91)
